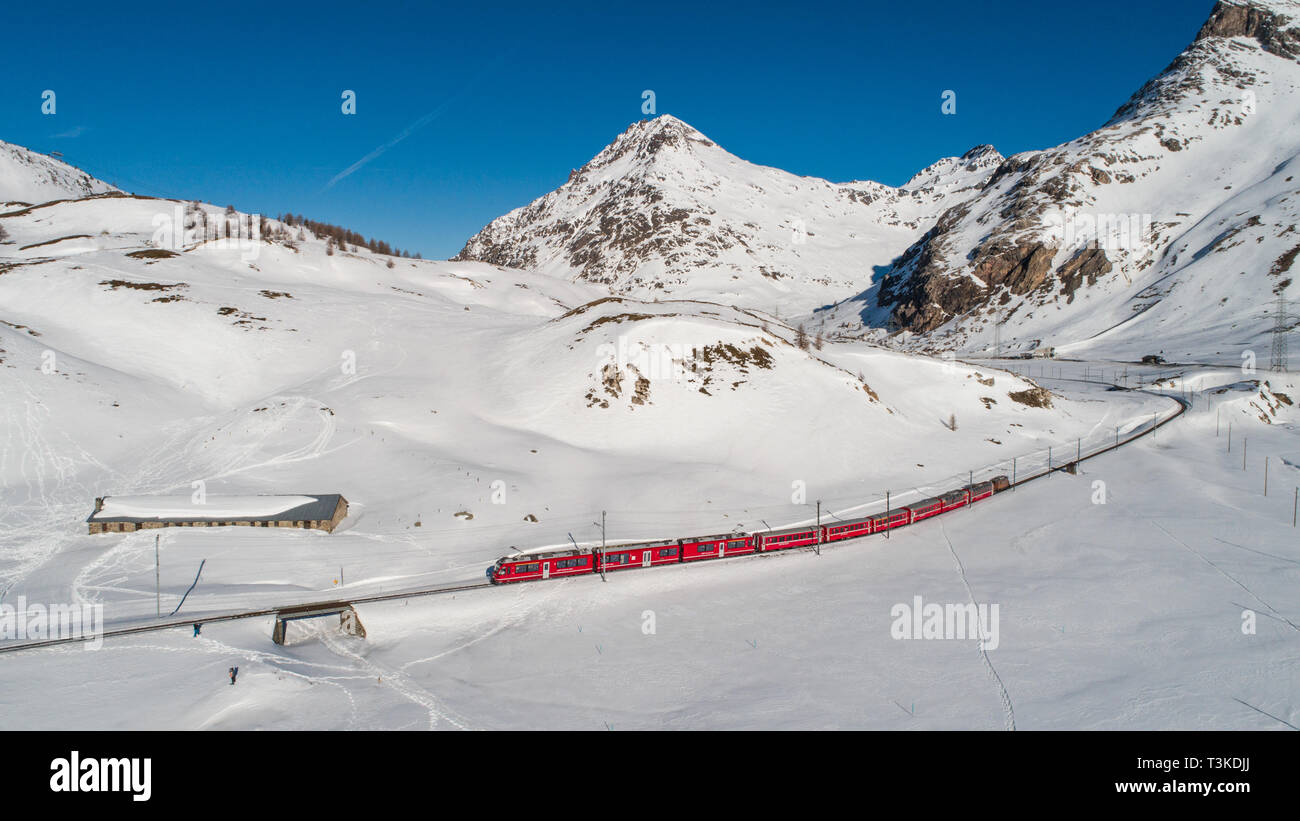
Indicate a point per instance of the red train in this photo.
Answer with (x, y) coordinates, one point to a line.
(569, 561)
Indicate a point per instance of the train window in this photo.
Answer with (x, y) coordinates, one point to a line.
(667, 551)
(528, 568)
(706, 548)
(737, 543)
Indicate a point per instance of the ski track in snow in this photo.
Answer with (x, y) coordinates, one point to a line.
(1225, 575)
(1009, 712)
(36, 529)
(511, 618)
(399, 681)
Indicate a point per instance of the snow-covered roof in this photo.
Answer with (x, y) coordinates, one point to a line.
(216, 508)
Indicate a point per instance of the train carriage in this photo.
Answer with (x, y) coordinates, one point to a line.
(783, 539)
(979, 490)
(852, 528)
(640, 554)
(716, 547)
(1001, 483)
(924, 509)
(547, 564)
(896, 517)
(954, 499)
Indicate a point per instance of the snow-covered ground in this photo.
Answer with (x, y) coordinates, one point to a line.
(464, 410)
(468, 411)
(1126, 614)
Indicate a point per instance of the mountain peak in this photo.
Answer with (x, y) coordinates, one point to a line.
(663, 132)
(980, 152)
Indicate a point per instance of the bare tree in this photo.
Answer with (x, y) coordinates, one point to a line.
(801, 338)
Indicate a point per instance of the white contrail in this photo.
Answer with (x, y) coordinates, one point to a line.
(406, 132)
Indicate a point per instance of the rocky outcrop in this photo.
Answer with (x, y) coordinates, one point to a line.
(1275, 32)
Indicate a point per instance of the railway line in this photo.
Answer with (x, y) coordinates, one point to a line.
(168, 624)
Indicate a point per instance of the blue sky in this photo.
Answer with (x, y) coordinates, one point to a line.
(240, 103)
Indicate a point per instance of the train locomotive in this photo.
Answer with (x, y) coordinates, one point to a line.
(562, 562)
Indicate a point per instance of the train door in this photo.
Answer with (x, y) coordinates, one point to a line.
(645, 557)
(546, 569)
(722, 549)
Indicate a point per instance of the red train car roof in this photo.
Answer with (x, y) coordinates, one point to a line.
(720, 537)
(787, 531)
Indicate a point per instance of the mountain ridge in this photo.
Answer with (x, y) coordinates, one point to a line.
(663, 210)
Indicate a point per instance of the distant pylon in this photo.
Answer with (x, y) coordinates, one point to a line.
(1277, 360)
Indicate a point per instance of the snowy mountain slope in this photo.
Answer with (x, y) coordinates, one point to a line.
(465, 410)
(1176, 220)
(27, 177)
(664, 211)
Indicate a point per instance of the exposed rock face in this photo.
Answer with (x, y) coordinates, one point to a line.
(1120, 211)
(1263, 24)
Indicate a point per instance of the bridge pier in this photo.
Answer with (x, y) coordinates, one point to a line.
(349, 621)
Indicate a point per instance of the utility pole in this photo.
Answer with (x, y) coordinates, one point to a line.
(1049, 461)
(819, 526)
(1277, 358)
(157, 589)
(602, 546)
(887, 528)
(1243, 453)
(1266, 475)
(1013, 473)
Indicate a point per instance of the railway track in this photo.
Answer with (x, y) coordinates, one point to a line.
(169, 624)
